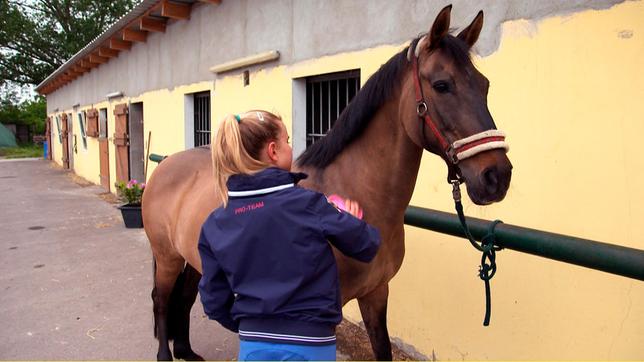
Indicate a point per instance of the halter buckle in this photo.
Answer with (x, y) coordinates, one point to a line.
(452, 155)
(456, 190)
(421, 109)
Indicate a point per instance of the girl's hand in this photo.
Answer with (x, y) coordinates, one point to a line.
(347, 205)
(353, 208)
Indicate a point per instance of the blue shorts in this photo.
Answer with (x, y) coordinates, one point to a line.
(264, 351)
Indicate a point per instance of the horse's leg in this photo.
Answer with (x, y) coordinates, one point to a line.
(181, 301)
(373, 308)
(166, 271)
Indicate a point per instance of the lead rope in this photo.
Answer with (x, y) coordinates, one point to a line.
(487, 269)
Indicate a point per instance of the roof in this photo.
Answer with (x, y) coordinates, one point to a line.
(147, 16)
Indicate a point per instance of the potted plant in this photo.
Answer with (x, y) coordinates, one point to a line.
(131, 193)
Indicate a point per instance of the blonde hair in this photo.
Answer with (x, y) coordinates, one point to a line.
(237, 144)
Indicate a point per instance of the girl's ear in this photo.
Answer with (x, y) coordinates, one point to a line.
(271, 151)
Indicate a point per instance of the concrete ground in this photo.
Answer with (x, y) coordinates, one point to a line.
(75, 283)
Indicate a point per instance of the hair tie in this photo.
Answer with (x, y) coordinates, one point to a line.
(238, 118)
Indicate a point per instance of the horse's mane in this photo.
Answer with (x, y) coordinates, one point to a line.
(380, 87)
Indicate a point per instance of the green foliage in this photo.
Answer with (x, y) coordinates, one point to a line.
(38, 36)
(131, 192)
(34, 113)
(22, 151)
(31, 113)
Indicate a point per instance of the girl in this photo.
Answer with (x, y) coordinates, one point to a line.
(268, 270)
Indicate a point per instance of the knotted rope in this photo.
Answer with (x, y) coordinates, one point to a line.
(487, 269)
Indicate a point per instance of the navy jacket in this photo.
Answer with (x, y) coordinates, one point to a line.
(268, 270)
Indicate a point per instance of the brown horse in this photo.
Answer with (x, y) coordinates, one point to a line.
(372, 155)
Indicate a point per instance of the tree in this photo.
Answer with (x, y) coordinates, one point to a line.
(38, 36)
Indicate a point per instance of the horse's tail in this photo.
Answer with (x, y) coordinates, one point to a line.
(154, 289)
(176, 305)
(175, 302)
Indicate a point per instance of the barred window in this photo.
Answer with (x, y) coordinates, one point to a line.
(202, 118)
(326, 97)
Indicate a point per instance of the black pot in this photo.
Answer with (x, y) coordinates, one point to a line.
(132, 216)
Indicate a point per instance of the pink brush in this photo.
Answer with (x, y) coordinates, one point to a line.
(339, 202)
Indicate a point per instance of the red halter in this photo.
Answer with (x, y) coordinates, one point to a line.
(460, 149)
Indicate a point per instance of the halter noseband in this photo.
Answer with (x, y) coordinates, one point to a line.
(460, 149)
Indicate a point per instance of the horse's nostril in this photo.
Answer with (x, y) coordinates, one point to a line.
(491, 180)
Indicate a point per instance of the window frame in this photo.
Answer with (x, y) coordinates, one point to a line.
(82, 121)
(318, 124)
(202, 118)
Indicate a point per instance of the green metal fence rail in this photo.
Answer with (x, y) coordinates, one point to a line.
(615, 259)
(610, 258)
(156, 158)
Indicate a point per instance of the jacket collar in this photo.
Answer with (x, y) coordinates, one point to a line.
(266, 181)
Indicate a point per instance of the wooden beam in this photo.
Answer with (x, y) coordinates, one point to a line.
(80, 69)
(151, 24)
(85, 63)
(93, 58)
(175, 10)
(107, 52)
(134, 35)
(119, 44)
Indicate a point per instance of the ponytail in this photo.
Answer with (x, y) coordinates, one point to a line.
(237, 144)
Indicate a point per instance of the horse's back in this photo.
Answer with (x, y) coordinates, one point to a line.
(178, 198)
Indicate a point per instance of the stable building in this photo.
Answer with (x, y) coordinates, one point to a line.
(566, 87)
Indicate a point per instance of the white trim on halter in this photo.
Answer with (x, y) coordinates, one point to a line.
(482, 148)
(497, 143)
(485, 134)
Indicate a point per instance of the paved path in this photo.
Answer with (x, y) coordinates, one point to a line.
(74, 283)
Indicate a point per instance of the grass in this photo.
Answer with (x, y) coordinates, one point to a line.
(22, 151)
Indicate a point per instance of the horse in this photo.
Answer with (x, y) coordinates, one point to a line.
(428, 97)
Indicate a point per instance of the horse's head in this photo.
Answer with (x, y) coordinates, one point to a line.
(454, 121)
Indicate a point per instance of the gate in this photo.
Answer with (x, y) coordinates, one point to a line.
(65, 141)
(136, 142)
(104, 150)
(121, 142)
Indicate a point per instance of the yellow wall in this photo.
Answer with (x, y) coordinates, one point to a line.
(163, 116)
(568, 92)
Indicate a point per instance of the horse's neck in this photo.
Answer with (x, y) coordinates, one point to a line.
(379, 168)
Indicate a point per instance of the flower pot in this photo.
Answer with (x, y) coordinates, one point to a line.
(132, 216)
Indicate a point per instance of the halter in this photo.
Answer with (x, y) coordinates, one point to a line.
(460, 149)
(454, 153)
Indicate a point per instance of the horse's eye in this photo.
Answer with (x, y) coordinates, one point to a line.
(441, 86)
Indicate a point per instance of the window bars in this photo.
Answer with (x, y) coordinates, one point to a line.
(202, 118)
(326, 97)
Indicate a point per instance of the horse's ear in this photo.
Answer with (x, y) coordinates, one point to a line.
(470, 34)
(440, 27)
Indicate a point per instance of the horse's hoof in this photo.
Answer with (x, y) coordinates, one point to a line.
(187, 355)
(164, 356)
